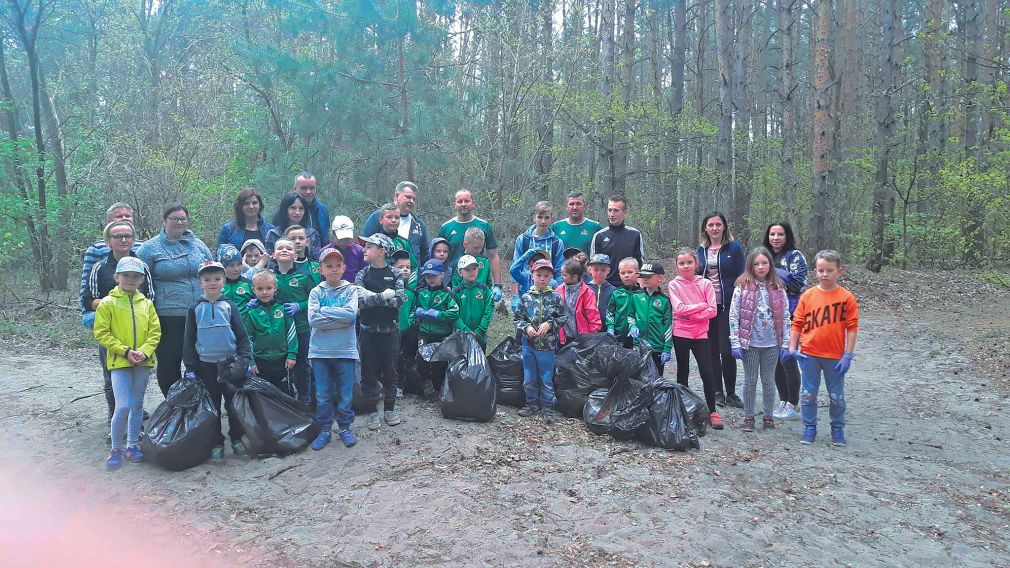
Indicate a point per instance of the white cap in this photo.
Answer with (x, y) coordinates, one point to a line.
(342, 227)
(464, 261)
(130, 264)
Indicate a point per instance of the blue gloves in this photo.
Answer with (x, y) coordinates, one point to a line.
(785, 354)
(292, 308)
(633, 332)
(252, 304)
(737, 353)
(515, 302)
(664, 358)
(422, 313)
(496, 293)
(610, 332)
(189, 376)
(783, 274)
(843, 364)
(88, 319)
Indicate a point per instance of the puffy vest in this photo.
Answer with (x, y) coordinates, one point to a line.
(748, 308)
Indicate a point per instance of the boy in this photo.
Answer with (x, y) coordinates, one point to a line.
(342, 237)
(272, 333)
(540, 236)
(436, 312)
(825, 324)
(473, 245)
(540, 317)
(405, 363)
(620, 319)
(254, 257)
(303, 254)
(599, 269)
(236, 288)
(214, 334)
(380, 328)
(474, 299)
(389, 218)
(293, 289)
(333, 348)
(653, 314)
(522, 275)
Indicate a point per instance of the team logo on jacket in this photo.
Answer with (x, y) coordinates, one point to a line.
(278, 314)
(241, 291)
(294, 283)
(657, 303)
(584, 232)
(437, 300)
(480, 295)
(606, 239)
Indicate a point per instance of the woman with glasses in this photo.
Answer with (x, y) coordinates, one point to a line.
(173, 257)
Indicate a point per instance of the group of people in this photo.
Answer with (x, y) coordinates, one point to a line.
(307, 305)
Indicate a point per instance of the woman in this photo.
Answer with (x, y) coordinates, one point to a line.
(248, 222)
(791, 266)
(119, 236)
(173, 258)
(291, 211)
(721, 262)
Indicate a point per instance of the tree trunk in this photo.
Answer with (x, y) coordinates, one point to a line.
(724, 140)
(934, 108)
(627, 89)
(787, 94)
(885, 131)
(401, 71)
(743, 103)
(679, 42)
(975, 219)
(61, 251)
(545, 121)
(823, 124)
(608, 65)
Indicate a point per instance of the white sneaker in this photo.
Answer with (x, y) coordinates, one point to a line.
(790, 412)
(780, 410)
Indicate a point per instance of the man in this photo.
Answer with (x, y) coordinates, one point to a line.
(454, 231)
(618, 240)
(317, 215)
(118, 211)
(577, 230)
(412, 227)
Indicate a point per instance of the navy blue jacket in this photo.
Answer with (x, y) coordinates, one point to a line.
(236, 236)
(731, 264)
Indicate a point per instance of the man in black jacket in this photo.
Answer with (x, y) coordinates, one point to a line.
(618, 241)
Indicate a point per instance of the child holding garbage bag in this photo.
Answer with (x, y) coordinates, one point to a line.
(653, 314)
(127, 326)
(435, 312)
(271, 332)
(539, 319)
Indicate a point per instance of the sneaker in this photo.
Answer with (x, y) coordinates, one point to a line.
(115, 460)
(528, 410)
(791, 413)
(808, 435)
(392, 417)
(838, 436)
(716, 421)
(373, 421)
(551, 415)
(217, 454)
(734, 401)
(321, 440)
(748, 424)
(348, 437)
(108, 440)
(133, 455)
(780, 410)
(399, 392)
(720, 399)
(240, 451)
(768, 423)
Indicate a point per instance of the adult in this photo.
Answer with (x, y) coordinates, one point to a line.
(412, 227)
(317, 216)
(577, 230)
(292, 210)
(119, 236)
(98, 250)
(618, 241)
(721, 261)
(454, 230)
(173, 257)
(248, 222)
(791, 266)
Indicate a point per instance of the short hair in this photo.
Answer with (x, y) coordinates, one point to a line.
(240, 199)
(574, 267)
(543, 207)
(576, 194)
(172, 209)
(389, 207)
(617, 197)
(283, 240)
(264, 274)
(829, 255)
(463, 190)
(107, 232)
(296, 227)
(628, 261)
(688, 251)
(404, 185)
(117, 205)
(304, 175)
(407, 258)
(727, 235)
(473, 234)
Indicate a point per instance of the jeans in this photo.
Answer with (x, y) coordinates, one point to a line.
(129, 385)
(334, 377)
(300, 374)
(207, 373)
(723, 363)
(812, 368)
(110, 396)
(169, 351)
(787, 380)
(759, 361)
(538, 376)
(683, 347)
(379, 351)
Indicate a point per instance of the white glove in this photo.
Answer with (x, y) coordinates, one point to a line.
(387, 294)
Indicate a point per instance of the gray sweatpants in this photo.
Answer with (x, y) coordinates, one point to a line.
(759, 360)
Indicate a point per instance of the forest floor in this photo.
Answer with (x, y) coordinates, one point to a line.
(925, 479)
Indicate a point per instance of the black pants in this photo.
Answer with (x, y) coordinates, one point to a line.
(110, 397)
(301, 375)
(378, 351)
(207, 373)
(723, 363)
(659, 365)
(787, 380)
(274, 372)
(406, 363)
(683, 347)
(169, 351)
(431, 373)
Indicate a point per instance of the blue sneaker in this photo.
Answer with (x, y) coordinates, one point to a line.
(217, 454)
(134, 455)
(837, 436)
(348, 437)
(808, 435)
(321, 440)
(115, 460)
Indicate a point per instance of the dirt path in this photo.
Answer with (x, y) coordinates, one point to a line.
(925, 479)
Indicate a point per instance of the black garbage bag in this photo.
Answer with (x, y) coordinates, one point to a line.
(668, 425)
(183, 429)
(468, 392)
(506, 365)
(697, 410)
(627, 406)
(577, 372)
(275, 423)
(358, 400)
(597, 420)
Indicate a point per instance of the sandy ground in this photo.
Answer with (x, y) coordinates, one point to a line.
(925, 480)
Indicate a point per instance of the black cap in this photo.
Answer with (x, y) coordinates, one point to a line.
(650, 268)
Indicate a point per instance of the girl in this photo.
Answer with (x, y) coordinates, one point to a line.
(127, 326)
(721, 261)
(579, 301)
(759, 331)
(291, 211)
(693, 300)
(791, 266)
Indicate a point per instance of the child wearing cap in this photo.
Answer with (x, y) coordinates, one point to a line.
(405, 363)
(305, 253)
(215, 335)
(272, 333)
(474, 298)
(254, 257)
(293, 289)
(236, 288)
(389, 218)
(579, 301)
(539, 319)
(522, 276)
(599, 269)
(473, 245)
(653, 315)
(342, 238)
(576, 253)
(127, 326)
(619, 318)
(380, 328)
(333, 348)
(435, 312)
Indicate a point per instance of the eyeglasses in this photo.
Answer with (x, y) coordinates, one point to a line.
(178, 219)
(123, 238)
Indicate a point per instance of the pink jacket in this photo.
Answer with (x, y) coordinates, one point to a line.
(587, 315)
(693, 305)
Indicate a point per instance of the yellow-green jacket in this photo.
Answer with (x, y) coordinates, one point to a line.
(127, 322)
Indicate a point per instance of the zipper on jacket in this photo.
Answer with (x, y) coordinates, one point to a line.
(133, 318)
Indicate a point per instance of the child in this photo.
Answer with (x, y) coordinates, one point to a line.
(473, 245)
(599, 269)
(380, 328)
(214, 334)
(653, 315)
(304, 253)
(333, 348)
(254, 257)
(579, 302)
(127, 326)
(342, 238)
(620, 315)
(439, 250)
(272, 333)
(474, 299)
(389, 217)
(693, 300)
(758, 331)
(293, 289)
(405, 364)
(577, 254)
(540, 236)
(540, 318)
(436, 312)
(522, 276)
(236, 288)
(825, 325)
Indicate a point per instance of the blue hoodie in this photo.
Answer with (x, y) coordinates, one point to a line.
(549, 242)
(332, 314)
